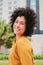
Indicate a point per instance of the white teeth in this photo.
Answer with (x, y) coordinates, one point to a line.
(17, 29)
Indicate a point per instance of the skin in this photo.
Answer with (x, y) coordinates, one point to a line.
(19, 26)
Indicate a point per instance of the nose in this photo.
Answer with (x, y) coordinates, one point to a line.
(18, 25)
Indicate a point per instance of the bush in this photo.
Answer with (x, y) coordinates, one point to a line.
(38, 56)
(3, 57)
(6, 34)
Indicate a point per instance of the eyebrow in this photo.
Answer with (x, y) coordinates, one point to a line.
(20, 21)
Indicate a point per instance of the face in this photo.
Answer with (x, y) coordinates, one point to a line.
(19, 25)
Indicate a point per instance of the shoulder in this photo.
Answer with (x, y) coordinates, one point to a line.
(23, 40)
(24, 43)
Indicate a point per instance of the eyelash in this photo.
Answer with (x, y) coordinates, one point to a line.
(22, 23)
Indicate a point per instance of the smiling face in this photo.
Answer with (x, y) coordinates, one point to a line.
(19, 25)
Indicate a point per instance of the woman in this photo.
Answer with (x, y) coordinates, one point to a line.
(23, 21)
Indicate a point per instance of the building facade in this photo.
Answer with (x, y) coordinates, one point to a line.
(7, 6)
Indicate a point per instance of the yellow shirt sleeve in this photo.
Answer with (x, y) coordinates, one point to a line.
(25, 52)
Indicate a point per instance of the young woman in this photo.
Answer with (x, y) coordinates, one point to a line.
(23, 21)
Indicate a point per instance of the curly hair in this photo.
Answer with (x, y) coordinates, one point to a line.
(30, 17)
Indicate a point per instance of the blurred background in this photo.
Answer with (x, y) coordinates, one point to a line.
(6, 34)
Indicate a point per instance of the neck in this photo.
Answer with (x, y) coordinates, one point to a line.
(17, 37)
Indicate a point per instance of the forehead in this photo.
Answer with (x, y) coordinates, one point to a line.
(21, 18)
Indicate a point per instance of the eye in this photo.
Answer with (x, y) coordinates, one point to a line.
(22, 23)
(16, 21)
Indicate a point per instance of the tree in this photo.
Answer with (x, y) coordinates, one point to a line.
(2, 26)
(6, 34)
(9, 35)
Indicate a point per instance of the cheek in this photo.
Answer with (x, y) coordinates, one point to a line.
(23, 28)
(13, 27)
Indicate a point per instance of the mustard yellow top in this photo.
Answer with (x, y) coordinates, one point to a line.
(21, 52)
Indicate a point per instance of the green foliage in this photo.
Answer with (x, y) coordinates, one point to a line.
(38, 63)
(2, 26)
(38, 56)
(8, 43)
(4, 63)
(6, 34)
(3, 57)
(1, 42)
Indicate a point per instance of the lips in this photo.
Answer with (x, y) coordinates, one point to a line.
(17, 29)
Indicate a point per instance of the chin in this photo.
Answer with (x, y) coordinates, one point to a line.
(16, 33)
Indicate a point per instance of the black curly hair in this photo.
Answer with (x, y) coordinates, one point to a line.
(30, 17)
